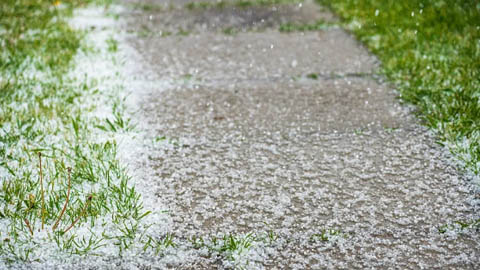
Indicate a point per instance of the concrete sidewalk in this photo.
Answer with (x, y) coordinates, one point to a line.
(290, 133)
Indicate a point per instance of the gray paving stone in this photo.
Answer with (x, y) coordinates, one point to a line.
(256, 55)
(181, 4)
(251, 145)
(167, 3)
(387, 191)
(255, 107)
(229, 17)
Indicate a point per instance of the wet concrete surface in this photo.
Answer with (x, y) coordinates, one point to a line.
(249, 56)
(183, 4)
(248, 144)
(254, 107)
(169, 3)
(229, 17)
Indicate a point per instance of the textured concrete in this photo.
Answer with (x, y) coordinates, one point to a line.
(250, 56)
(305, 107)
(256, 146)
(231, 17)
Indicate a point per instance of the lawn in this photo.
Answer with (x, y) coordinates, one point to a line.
(62, 187)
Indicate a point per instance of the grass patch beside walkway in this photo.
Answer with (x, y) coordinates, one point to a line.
(62, 187)
(430, 51)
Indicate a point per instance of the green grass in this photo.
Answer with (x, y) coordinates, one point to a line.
(430, 51)
(148, 7)
(304, 27)
(233, 246)
(57, 178)
(326, 235)
(460, 226)
(231, 31)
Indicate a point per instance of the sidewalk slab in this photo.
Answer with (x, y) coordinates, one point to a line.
(321, 106)
(249, 144)
(256, 55)
(388, 191)
(227, 18)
